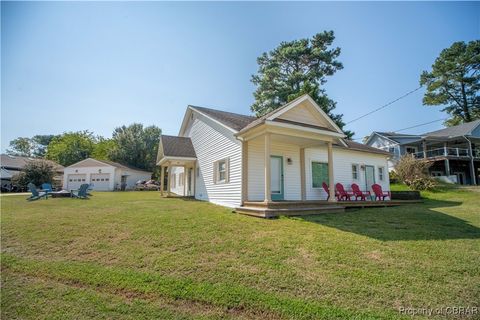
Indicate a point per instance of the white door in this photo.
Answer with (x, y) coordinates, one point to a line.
(100, 181)
(74, 181)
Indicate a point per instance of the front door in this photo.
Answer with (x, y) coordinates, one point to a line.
(276, 177)
(369, 177)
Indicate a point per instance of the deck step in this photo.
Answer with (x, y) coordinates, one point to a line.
(263, 212)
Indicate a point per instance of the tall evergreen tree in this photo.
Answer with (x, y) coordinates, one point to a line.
(295, 68)
(455, 82)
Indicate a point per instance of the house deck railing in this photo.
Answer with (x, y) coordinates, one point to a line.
(447, 152)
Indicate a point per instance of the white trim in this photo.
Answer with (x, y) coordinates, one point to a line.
(182, 129)
(380, 135)
(301, 128)
(299, 100)
(103, 163)
(164, 159)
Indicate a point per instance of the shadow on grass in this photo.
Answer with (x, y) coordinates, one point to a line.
(409, 222)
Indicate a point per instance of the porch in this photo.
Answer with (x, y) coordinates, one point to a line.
(299, 208)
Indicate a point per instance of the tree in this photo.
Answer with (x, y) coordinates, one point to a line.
(136, 146)
(295, 68)
(455, 82)
(41, 143)
(35, 171)
(71, 147)
(21, 147)
(414, 173)
(30, 147)
(104, 148)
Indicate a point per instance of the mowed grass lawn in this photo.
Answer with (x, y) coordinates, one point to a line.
(134, 255)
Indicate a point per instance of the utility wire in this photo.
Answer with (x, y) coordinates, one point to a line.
(415, 126)
(385, 105)
(401, 97)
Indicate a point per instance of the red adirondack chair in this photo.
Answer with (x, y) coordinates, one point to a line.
(379, 193)
(342, 194)
(325, 187)
(359, 193)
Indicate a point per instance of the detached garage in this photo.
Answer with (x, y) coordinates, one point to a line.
(102, 175)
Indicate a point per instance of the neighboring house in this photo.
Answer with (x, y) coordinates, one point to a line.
(102, 175)
(12, 165)
(453, 151)
(229, 159)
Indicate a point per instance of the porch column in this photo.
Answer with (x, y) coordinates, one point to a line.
(331, 186)
(445, 152)
(302, 174)
(424, 145)
(169, 181)
(194, 179)
(244, 171)
(162, 178)
(447, 167)
(472, 164)
(184, 181)
(268, 194)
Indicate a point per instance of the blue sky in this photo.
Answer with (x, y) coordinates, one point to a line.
(74, 66)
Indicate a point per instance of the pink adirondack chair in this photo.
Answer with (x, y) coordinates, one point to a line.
(379, 193)
(359, 193)
(325, 188)
(342, 194)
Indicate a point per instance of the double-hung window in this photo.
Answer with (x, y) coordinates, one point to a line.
(381, 173)
(355, 171)
(221, 171)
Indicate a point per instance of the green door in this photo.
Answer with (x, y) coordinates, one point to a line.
(276, 177)
(369, 177)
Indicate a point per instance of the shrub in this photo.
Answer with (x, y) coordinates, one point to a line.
(414, 173)
(36, 172)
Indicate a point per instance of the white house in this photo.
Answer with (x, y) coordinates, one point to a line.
(102, 175)
(232, 159)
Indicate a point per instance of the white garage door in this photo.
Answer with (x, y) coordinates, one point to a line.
(75, 181)
(100, 181)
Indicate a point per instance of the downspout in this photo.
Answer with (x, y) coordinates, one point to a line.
(472, 164)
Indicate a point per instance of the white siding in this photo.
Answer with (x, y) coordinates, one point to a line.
(178, 189)
(213, 142)
(256, 174)
(342, 169)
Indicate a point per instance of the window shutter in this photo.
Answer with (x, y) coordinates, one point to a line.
(215, 172)
(227, 170)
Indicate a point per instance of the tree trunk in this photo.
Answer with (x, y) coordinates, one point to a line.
(466, 112)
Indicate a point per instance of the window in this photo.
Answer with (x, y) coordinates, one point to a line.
(221, 171)
(355, 171)
(381, 173)
(391, 150)
(410, 150)
(319, 174)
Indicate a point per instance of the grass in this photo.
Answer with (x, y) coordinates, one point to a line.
(136, 256)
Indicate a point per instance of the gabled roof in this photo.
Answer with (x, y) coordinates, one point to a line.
(177, 147)
(18, 162)
(352, 145)
(465, 129)
(232, 120)
(108, 163)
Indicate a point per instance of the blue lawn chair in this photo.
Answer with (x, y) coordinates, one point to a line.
(47, 188)
(35, 194)
(81, 193)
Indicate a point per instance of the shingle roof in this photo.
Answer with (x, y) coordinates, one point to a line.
(121, 166)
(232, 120)
(17, 162)
(456, 131)
(177, 147)
(352, 145)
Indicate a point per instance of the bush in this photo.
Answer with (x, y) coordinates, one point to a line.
(393, 177)
(36, 172)
(414, 173)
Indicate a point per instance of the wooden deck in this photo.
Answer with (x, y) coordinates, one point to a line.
(299, 208)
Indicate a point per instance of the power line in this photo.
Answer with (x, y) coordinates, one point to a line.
(421, 124)
(415, 126)
(385, 105)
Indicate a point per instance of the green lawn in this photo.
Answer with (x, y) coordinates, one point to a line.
(133, 255)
